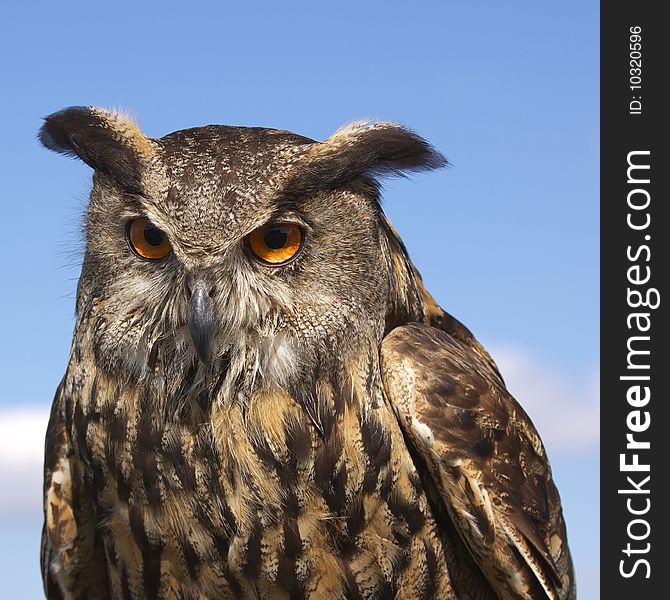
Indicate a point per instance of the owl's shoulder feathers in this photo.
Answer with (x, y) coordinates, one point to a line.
(486, 459)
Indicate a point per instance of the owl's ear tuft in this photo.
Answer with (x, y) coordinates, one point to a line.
(377, 150)
(109, 142)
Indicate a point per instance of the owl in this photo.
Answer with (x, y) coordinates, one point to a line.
(262, 398)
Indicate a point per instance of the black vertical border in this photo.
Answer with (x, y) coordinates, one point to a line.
(621, 133)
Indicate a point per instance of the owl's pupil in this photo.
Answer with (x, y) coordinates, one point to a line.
(153, 235)
(275, 238)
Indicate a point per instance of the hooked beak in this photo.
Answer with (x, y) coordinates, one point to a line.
(201, 322)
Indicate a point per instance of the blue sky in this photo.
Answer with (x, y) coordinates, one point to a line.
(506, 239)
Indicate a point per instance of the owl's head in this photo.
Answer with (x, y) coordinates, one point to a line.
(243, 254)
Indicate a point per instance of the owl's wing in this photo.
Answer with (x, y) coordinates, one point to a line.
(72, 563)
(485, 458)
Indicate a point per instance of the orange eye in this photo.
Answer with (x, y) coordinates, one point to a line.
(147, 240)
(276, 244)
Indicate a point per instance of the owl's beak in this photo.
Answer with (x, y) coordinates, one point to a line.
(201, 321)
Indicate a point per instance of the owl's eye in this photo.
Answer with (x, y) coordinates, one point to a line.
(277, 243)
(147, 240)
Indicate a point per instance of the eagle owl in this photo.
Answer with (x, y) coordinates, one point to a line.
(263, 400)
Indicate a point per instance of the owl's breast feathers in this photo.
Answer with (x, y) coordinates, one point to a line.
(409, 480)
(261, 500)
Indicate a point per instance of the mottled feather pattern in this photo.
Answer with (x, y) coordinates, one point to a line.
(255, 501)
(345, 438)
(486, 457)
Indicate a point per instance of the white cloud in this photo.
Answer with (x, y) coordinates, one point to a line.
(22, 432)
(565, 412)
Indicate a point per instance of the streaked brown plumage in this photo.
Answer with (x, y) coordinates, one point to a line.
(320, 429)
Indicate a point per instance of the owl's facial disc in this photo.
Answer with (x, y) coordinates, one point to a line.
(201, 319)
